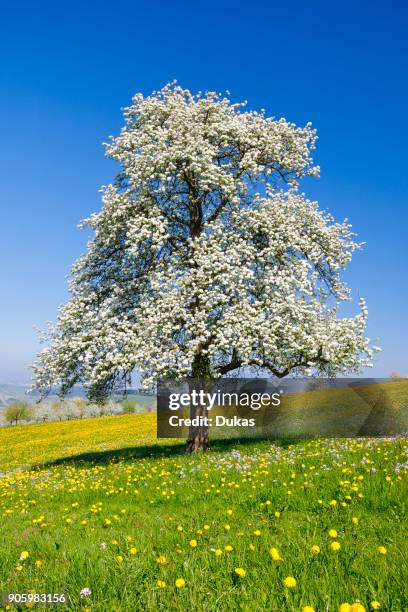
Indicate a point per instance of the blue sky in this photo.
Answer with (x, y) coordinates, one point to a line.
(68, 68)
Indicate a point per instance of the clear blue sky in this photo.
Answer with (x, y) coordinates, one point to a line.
(68, 68)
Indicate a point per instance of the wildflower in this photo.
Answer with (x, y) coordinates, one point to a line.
(228, 548)
(382, 550)
(375, 605)
(85, 592)
(103, 545)
(218, 552)
(289, 582)
(357, 607)
(333, 503)
(19, 568)
(315, 549)
(180, 582)
(161, 560)
(107, 522)
(179, 528)
(24, 555)
(227, 527)
(277, 515)
(206, 527)
(354, 520)
(345, 607)
(229, 512)
(161, 584)
(38, 563)
(119, 558)
(252, 547)
(308, 609)
(193, 543)
(133, 551)
(240, 572)
(335, 546)
(274, 552)
(257, 532)
(333, 533)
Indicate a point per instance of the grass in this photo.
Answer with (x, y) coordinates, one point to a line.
(103, 505)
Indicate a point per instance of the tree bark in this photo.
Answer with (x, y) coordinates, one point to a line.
(198, 439)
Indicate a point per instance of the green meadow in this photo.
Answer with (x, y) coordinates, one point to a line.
(102, 511)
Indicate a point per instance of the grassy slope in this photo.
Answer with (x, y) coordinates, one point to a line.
(137, 496)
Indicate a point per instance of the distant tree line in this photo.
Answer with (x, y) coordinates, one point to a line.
(65, 410)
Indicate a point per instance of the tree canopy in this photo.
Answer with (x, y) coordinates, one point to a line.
(206, 257)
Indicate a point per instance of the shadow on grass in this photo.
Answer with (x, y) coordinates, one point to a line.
(152, 451)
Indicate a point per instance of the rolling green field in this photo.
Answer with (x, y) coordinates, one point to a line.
(100, 506)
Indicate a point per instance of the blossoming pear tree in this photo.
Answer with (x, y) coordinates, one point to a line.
(205, 257)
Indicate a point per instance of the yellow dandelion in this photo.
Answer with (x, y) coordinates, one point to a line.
(228, 548)
(354, 520)
(19, 568)
(206, 527)
(344, 607)
(24, 555)
(180, 582)
(315, 549)
(274, 553)
(257, 532)
(335, 546)
(161, 560)
(357, 607)
(119, 558)
(252, 547)
(161, 584)
(333, 503)
(133, 551)
(289, 582)
(193, 543)
(227, 527)
(218, 552)
(229, 512)
(382, 550)
(38, 563)
(240, 572)
(333, 533)
(179, 528)
(375, 605)
(277, 515)
(308, 609)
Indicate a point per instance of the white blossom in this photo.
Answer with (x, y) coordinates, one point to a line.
(206, 249)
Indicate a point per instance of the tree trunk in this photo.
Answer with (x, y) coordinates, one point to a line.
(198, 434)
